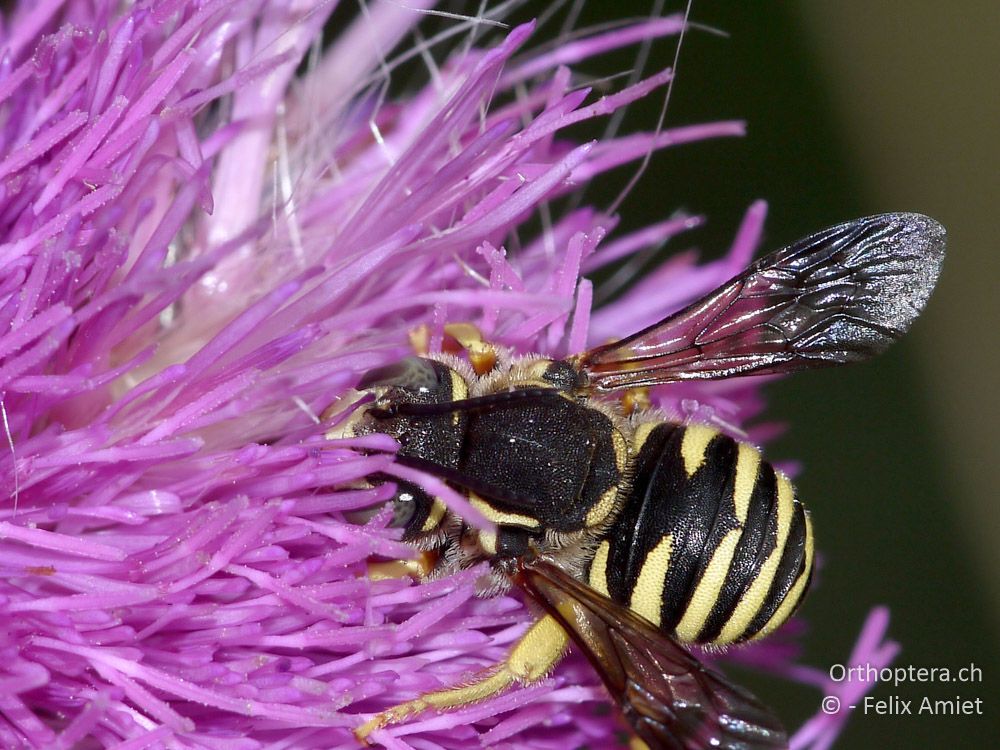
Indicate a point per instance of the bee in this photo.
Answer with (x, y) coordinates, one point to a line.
(635, 536)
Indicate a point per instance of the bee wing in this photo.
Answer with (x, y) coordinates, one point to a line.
(842, 295)
(672, 701)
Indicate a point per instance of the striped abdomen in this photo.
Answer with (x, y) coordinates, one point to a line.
(711, 543)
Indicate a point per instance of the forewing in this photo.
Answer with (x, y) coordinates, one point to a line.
(842, 295)
(672, 701)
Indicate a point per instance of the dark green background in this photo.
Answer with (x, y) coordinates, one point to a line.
(883, 506)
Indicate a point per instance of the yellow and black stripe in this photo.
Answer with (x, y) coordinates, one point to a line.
(711, 544)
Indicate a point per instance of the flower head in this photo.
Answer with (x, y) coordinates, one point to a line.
(209, 226)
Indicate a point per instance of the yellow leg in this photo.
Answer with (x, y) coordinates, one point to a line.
(636, 399)
(420, 339)
(531, 658)
(482, 355)
(418, 568)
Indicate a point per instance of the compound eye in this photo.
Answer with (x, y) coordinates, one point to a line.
(404, 508)
(411, 374)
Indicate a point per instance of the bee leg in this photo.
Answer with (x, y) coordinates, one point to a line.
(418, 568)
(636, 399)
(467, 336)
(420, 339)
(531, 658)
(482, 354)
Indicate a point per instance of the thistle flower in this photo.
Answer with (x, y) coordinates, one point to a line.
(200, 249)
